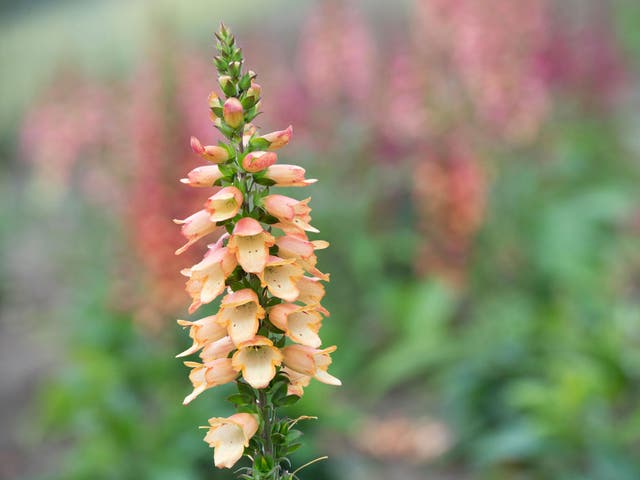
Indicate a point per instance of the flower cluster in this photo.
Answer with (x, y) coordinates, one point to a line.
(264, 336)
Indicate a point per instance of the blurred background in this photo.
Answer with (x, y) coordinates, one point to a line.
(479, 186)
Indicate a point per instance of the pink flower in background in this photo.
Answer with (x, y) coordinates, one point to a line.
(337, 56)
(494, 46)
(450, 189)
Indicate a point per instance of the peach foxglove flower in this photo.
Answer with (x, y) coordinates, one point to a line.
(250, 243)
(310, 361)
(290, 211)
(311, 293)
(219, 349)
(297, 381)
(278, 139)
(258, 161)
(213, 153)
(233, 112)
(303, 251)
(224, 205)
(195, 227)
(280, 277)
(202, 332)
(300, 324)
(257, 359)
(240, 313)
(207, 278)
(204, 176)
(209, 375)
(288, 176)
(229, 437)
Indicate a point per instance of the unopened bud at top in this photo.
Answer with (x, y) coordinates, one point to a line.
(227, 85)
(254, 90)
(278, 139)
(233, 112)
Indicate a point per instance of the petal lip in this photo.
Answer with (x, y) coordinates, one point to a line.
(247, 226)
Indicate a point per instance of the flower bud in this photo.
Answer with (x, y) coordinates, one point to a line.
(203, 176)
(288, 176)
(213, 153)
(258, 161)
(227, 85)
(278, 139)
(233, 113)
(214, 100)
(254, 90)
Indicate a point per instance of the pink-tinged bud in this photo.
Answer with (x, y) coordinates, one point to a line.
(254, 90)
(225, 82)
(213, 153)
(204, 176)
(232, 112)
(258, 161)
(214, 100)
(288, 176)
(278, 139)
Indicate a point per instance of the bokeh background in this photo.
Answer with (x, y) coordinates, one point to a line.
(479, 166)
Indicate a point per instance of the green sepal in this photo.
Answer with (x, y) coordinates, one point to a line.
(259, 143)
(245, 82)
(226, 130)
(249, 102)
(264, 181)
(240, 399)
(217, 111)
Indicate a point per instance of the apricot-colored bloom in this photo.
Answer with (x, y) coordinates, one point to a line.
(290, 211)
(213, 153)
(300, 324)
(207, 278)
(232, 112)
(310, 361)
(195, 227)
(250, 244)
(204, 176)
(258, 161)
(202, 332)
(219, 349)
(240, 313)
(288, 176)
(311, 292)
(297, 381)
(280, 276)
(230, 436)
(257, 359)
(224, 205)
(278, 139)
(303, 251)
(208, 375)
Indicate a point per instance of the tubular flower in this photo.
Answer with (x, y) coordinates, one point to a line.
(202, 332)
(230, 436)
(258, 161)
(290, 211)
(288, 176)
(257, 359)
(280, 277)
(240, 313)
(302, 250)
(204, 176)
(300, 324)
(207, 278)
(250, 244)
(213, 153)
(208, 375)
(310, 361)
(263, 274)
(195, 227)
(224, 205)
(278, 139)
